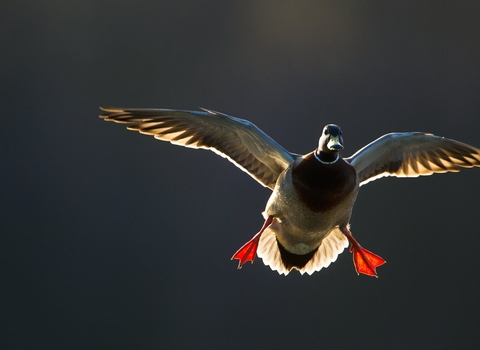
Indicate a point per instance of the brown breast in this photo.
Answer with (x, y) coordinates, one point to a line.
(323, 186)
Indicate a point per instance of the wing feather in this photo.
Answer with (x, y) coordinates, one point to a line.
(412, 154)
(238, 140)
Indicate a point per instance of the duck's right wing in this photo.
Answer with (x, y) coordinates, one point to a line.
(238, 140)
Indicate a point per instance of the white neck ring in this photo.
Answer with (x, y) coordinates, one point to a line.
(324, 162)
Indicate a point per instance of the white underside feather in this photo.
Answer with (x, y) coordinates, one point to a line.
(331, 247)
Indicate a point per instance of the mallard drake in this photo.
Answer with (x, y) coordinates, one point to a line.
(307, 216)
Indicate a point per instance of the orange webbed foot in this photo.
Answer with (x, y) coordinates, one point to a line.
(248, 250)
(364, 261)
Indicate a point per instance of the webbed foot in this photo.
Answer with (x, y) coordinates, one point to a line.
(248, 250)
(364, 261)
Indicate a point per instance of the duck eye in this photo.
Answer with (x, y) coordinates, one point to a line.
(325, 132)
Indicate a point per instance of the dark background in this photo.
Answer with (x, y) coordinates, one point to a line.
(113, 240)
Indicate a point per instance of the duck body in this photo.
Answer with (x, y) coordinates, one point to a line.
(307, 216)
(309, 199)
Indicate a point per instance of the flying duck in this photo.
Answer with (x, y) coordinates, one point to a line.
(307, 215)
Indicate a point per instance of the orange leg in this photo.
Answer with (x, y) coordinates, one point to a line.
(364, 261)
(248, 250)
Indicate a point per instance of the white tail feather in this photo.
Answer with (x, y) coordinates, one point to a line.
(331, 247)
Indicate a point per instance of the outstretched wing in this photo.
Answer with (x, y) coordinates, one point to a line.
(238, 140)
(412, 154)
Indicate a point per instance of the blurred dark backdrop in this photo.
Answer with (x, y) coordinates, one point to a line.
(113, 240)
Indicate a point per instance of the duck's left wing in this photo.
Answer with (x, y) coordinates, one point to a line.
(412, 154)
(236, 139)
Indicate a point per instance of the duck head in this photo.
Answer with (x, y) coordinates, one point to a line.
(330, 143)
